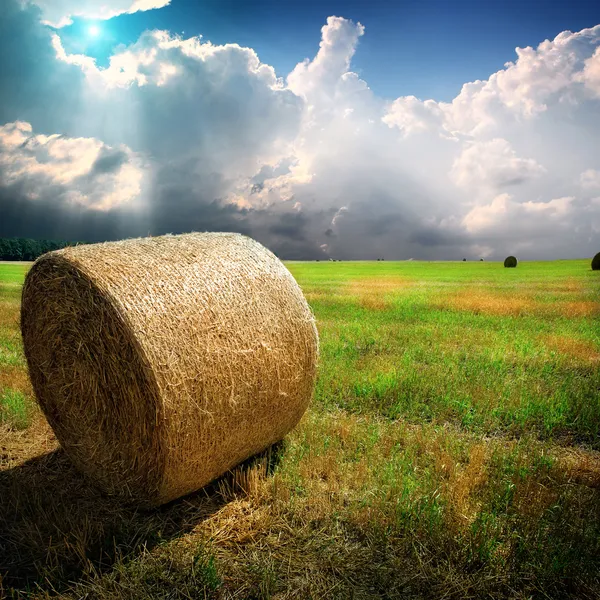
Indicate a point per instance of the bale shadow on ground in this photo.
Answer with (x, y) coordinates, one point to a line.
(56, 527)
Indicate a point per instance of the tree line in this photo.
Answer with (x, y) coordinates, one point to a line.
(28, 249)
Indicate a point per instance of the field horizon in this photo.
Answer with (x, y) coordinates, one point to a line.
(451, 449)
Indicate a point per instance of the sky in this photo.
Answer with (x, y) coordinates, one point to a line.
(345, 129)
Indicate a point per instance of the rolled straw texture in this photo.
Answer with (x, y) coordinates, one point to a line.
(161, 363)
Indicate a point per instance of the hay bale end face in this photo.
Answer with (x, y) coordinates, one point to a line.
(596, 262)
(163, 362)
(510, 262)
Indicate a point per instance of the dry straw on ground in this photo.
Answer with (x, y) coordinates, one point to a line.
(161, 363)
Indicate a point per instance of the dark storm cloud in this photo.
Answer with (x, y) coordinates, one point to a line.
(178, 210)
(291, 225)
(109, 161)
(50, 219)
(289, 234)
(433, 237)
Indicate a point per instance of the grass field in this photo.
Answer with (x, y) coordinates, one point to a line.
(452, 450)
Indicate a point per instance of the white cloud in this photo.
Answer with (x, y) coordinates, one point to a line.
(60, 13)
(81, 171)
(590, 75)
(503, 211)
(590, 179)
(411, 115)
(317, 78)
(178, 99)
(493, 164)
(338, 215)
(539, 78)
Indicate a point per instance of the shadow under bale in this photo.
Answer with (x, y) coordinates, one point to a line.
(56, 527)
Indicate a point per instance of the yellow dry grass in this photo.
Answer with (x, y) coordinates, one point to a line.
(579, 308)
(15, 378)
(463, 482)
(377, 294)
(577, 349)
(9, 314)
(579, 466)
(482, 302)
(571, 285)
(17, 447)
(532, 498)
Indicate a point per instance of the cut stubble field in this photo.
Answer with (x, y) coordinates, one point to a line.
(451, 450)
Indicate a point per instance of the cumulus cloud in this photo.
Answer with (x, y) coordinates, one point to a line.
(539, 78)
(179, 134)
(410, 115)
(318, 78)
(493, 164)
(504, 211)
(60, 13)
(525, 227)
(590, 75)
(77, 171)
(187, 99)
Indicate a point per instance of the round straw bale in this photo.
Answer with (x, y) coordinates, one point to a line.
(510, 262)
(163, 362)
(596, 262)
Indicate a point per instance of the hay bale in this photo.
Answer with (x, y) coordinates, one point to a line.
(596, 262)
(163, 362)
(510, 262)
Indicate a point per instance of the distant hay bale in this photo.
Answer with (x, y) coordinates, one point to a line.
(163, 362)
(510, 262)
(596, 262)
(464, 260)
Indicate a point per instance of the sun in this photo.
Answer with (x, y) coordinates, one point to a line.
(94, 31)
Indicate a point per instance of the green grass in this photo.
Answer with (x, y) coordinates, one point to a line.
(451, 449)
(14, 409)
(418, 358)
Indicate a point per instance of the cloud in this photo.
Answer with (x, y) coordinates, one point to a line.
(60, 13)
(179, 99)
(493, 164)
(75, 171)
(179, 134)
(504, 211)
(340, 212)
(539, 78)
(410, 115)
(590, 179)
(34, 86)
(317, 79)
(525, 227)
(590, 75)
